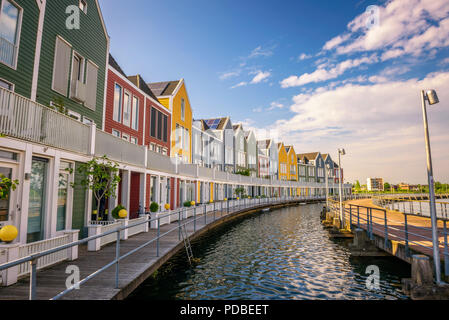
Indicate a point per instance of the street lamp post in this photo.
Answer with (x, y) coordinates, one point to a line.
(432, 98)
(341, 152)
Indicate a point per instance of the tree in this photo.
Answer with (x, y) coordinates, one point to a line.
(6, 185)
(387, 186)
(240, 192)
(101, 176)
(357, 185)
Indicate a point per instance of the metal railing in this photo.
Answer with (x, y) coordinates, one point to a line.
(182, 215)
(377, 221)
(27, 120)
(413, 204)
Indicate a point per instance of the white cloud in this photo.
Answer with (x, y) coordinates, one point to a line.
(260, 76)
(322, 74)
(379, 124)
(304, 56)
(228, 75)
(257, 110)
(410, 27)
(275, 105)
(261, 52)
(240, 84)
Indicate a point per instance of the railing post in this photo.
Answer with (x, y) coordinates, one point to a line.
(179, 225)
(407, 249)
(194, 219)
(158, 234)
(371, 223)
(358, 217)
(386, 229)
(350, 217)
(33, 274)
(205, 214)
(214, 210)
(117, 257)
(446, 253)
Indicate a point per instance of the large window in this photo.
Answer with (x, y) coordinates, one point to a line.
(183, 110)
(159, 125)
(117, 115)
(10, 22)
(135, 114)
(153, 123)
(126, 110)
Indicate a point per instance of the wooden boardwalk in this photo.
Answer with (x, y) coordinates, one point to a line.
(396, 228)
(133, 269)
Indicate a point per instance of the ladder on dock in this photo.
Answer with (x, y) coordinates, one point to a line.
(187, 245)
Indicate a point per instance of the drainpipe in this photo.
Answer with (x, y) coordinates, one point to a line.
(37, 55)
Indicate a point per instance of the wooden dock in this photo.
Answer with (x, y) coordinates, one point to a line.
(133, 270)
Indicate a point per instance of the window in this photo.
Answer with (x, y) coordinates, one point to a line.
(91, 85)
(159, 149)
(164, 151)
(61, 66)
(77, 80)
(63, 188)
(159, 126)
(126, 110)
(83, 6)
(125, 137)
(74, 115)
(6, 85)
(178, 136)
(165, 128)
(183, 109)
(152, 147)
(117, 113)
(10, 23)
(135, 114)
(153, 122)
(116, 133)
(87, 120)
(186, 140)
(133, 140)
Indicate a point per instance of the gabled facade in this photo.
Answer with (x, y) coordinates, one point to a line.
(316, 159)
(239, 148)
(18, 45)
(207, 148)
(306, 168)
(329, 165)
(292, 164)
(283, 162)
(73, 62)
(173, 95)
(223, 130)
(251, 152)
(263, 163)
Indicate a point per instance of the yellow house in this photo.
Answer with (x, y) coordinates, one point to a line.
(173, 95)
(292, 164)
(283, 162)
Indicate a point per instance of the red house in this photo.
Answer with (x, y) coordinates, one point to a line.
(133, 113)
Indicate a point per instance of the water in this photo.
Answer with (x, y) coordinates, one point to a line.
(283, 254)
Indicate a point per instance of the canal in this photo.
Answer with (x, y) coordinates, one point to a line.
(277, 255)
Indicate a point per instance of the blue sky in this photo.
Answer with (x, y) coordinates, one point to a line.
(310, 72)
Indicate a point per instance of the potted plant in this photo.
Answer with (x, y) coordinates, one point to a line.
(154, 207)
(187, 204)
(119, 212)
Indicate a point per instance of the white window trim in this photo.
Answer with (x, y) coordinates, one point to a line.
(131, 140)
(120, 114)
(87, 120)
(74, 114)
(13, 86)
(125, 137)
(126, 92)
(117, 131)
(19, 33)
(137, 117)
(85, 6)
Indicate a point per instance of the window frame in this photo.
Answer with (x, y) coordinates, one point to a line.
(135, 113)
(120, 104)
(84, 5)
(82, 74)
(18, 34)
(127, 93)
(116, 131)
(12, 85)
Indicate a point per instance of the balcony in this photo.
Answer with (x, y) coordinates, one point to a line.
(118, 149)
(27, 120)
(8, 52)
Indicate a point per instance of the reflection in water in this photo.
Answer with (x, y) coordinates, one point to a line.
(284, 254)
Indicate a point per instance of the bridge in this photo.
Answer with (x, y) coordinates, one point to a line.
(121, 266)
(399, 225)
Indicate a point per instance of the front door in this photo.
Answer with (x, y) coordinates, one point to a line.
(36, 211)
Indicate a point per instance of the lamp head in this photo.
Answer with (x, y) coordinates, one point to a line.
(342, 151)
(432, 97)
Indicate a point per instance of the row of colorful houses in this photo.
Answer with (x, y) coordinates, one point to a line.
(64, 100)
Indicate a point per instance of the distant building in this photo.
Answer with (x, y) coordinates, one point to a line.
(375, 184)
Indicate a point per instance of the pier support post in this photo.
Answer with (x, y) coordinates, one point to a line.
(422, 272)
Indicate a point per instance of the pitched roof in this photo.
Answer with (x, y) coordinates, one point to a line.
(216, 124)
(113, 63)
(237, 126)
(140, 83)
(310, 156)
(264, 144)
(165, 88)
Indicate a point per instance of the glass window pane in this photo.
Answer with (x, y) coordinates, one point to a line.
(9, 20)
(118, 103)
(126, 110)
(37, 200)
(62, 201)
(135, 122)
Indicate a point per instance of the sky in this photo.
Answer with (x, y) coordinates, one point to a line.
(318, 75)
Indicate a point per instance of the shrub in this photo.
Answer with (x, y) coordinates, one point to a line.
(187, 204)
(116, 210)
(154, 207)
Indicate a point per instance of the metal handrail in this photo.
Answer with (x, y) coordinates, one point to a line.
(237, 206)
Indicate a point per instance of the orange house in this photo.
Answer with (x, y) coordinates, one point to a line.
(292, 164)
(173, 95)
(283, 162)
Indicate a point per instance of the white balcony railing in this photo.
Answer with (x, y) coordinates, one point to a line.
(25, 119)
(8, 52)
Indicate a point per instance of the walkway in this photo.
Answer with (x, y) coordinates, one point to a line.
(419, 239)
(133, 269)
